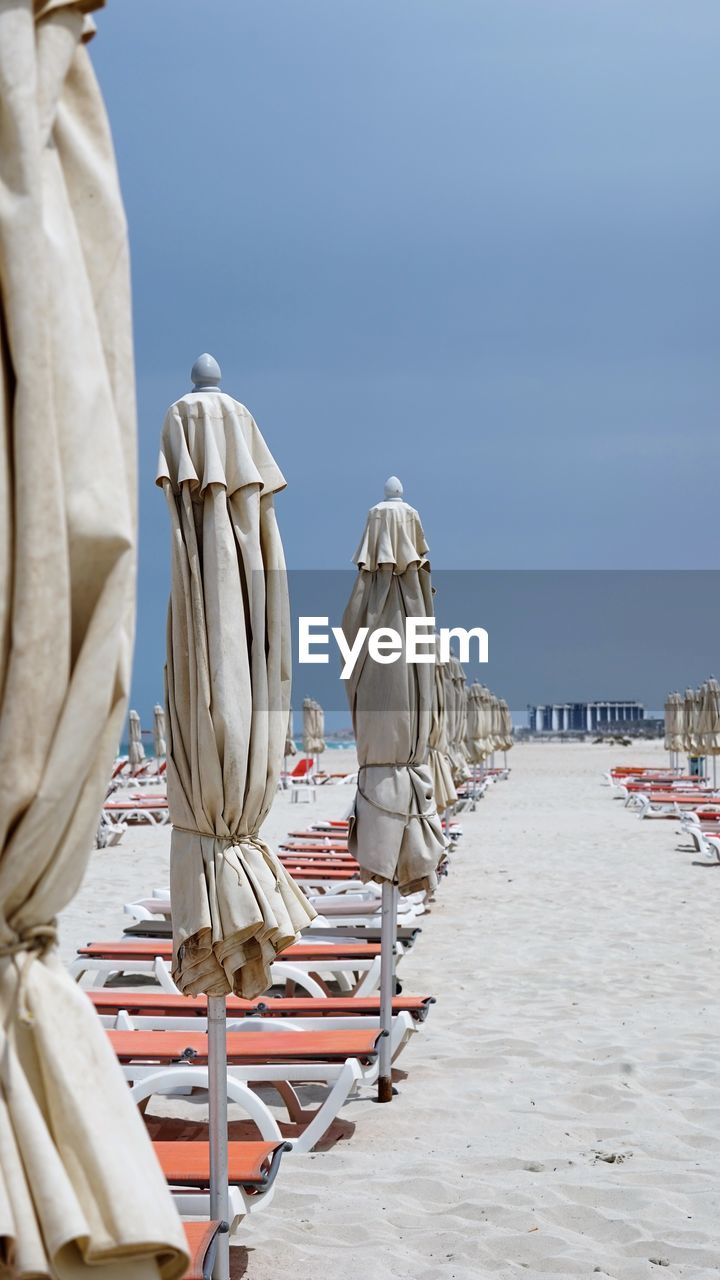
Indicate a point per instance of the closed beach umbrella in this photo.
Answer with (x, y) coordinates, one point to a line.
(496, 728)
(709, 722)
(228, 694)
(136, 750)
(458, 719)
(290, 748)
(691, 707)
(674, 739)
(81, 1192)
(395, 832)
(474, 724)
(506, 728)
(438, 759)
(159, 744)
(313, 728)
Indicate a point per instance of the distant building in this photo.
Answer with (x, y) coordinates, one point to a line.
(583, 717)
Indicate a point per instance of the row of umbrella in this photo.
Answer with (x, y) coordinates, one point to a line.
(80, 1188)
(489, 724)
(313, 733)
(136, 749)
(692, 721)
(469, 724)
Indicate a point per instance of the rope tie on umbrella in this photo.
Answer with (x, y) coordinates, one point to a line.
(36, 941)
(392, 813)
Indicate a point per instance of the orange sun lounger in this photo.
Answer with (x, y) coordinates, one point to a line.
(149, 948)
(246, 1046)
(252, 1170)
(201, 1239)
(354, 966)
(110, 1001)
(336, 1060)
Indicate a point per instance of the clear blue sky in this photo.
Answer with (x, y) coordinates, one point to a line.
(472, 242)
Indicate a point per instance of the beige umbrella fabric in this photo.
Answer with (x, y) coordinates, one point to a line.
(136, 750)
(475, 724)
(457, 720)
(228, 694)
(290, 748)
(691, 707)
(80, 1188)
(159, 743)
(674, 723)
(506, 728)
(313, 728)
(708, 722)
(438, 760)
(395, 832)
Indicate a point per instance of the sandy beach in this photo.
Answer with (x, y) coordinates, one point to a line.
(559, 1114)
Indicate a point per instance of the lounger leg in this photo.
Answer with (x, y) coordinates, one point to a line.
(167, 1079)
(326, 1113)
(293, 1105)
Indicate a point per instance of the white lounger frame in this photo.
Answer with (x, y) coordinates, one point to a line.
(341, 1078)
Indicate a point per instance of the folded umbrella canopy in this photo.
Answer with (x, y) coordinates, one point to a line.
(290, 748)
(475, 732)
(159, 744)
(234, 907)
(506, 727)
(313, 728)
(136, 750)
(709, 722)
(674, 723)
(691, 707)
(496, 725)
(227, 684)
(457, 719)
(394, 831)
(81, 1192)
(438, 760)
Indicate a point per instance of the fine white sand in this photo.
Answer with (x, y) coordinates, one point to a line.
(560, 1114)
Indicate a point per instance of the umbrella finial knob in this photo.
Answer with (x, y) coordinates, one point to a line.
(205, 373)
(393, 490)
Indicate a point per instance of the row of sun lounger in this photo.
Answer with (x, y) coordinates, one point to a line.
(313, 1039)
(670, 795)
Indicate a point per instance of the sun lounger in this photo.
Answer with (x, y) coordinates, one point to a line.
(201, 1239)
(139, 1002)
(352, 966)
(150, 809)
(368, 931)
(252, 1170)
(668, 804)
(161, 1062)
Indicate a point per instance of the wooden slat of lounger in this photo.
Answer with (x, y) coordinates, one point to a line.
(199, 1237)
(132, 949)
(188, 1163)
(246, 1046)
(108, 1000)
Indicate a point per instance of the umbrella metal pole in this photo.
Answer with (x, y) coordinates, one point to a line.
(388, 939)
(218, 1129)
